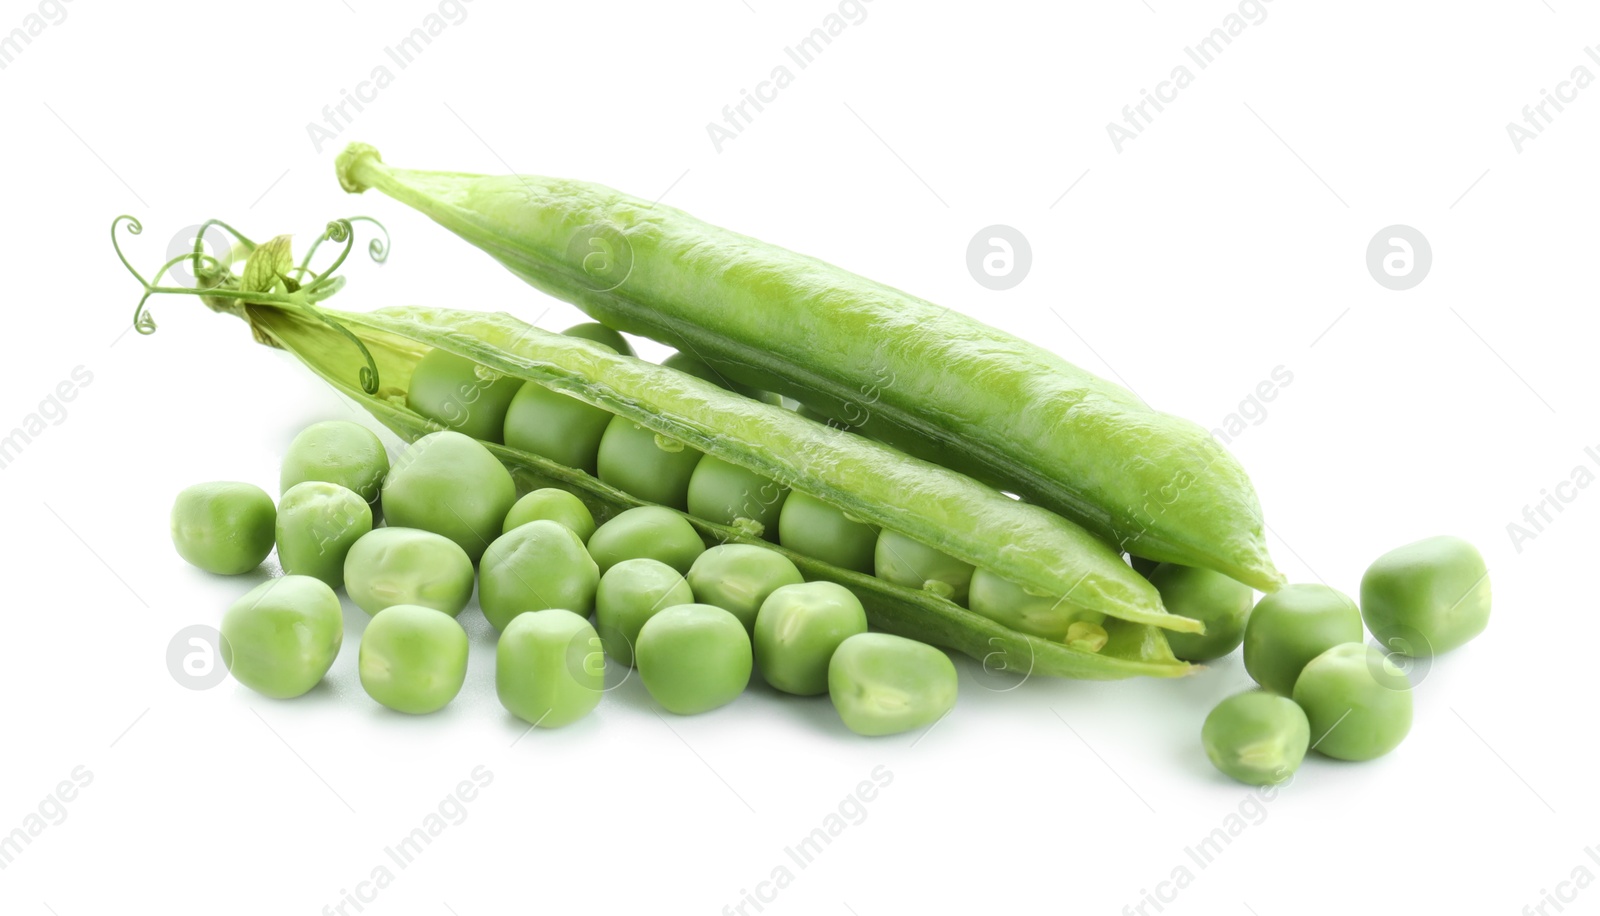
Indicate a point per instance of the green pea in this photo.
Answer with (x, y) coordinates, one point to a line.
(630, 593)
(646, 531)
(698, 368)
(462, 395)
(557, 426)
(282, 636)
(798, 630)
(1215, 600)
(693, 658)
(1357, 701)
(413, 659)
(224, 527)
(318, 523)
(913, 564)
(548, 668)
(336, 451)
(1292, 626)
(811, 527)
(392, 566)
(652, 467)
(551, 504)
(1046, 616)
(883, 684)
(450, 484)
(730, 495)
(1428, 597)
(534, 567)
(739, 577)
(1256, 737)
(600, 334)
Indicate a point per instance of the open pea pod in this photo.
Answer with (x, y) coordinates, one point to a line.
(928, 380)
(398, 337)
(370, 357)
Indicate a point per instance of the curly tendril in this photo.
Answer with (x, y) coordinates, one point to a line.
(305, 287)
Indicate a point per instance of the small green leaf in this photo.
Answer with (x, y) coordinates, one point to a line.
(268, 264)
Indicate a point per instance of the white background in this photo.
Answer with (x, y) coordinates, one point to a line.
(1227, 240)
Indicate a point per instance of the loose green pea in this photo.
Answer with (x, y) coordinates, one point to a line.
(318, 523)
(798, 630)
(1357, 701)
(630, 593)
(739, 577)
(811, 527)
(1215, 600)
(1293, 625)
(393, 566)
(551, 504)
(462, 395)
(1006, 602)
(1256, 737)
(336, 451)
(883, 684)
(640, 462)
(557, 426)
(413, 659)
(1428, 597)
(224, 527)
(646, 531)
(450, 484)
(534, 567)
(913, 564)
(693, 658)
(548, 668)
(600, 334)
(730, 495)
(282, 636)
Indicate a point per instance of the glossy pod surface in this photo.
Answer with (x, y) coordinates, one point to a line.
(971, 396)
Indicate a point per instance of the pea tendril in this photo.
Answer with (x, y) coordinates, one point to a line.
(295, 286)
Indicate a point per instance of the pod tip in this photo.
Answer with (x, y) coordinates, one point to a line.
(352, 157)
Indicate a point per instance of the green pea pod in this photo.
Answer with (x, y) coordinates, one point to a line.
(911, 373)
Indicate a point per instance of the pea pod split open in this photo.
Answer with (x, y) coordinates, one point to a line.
(903, 370)
(370, 358)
